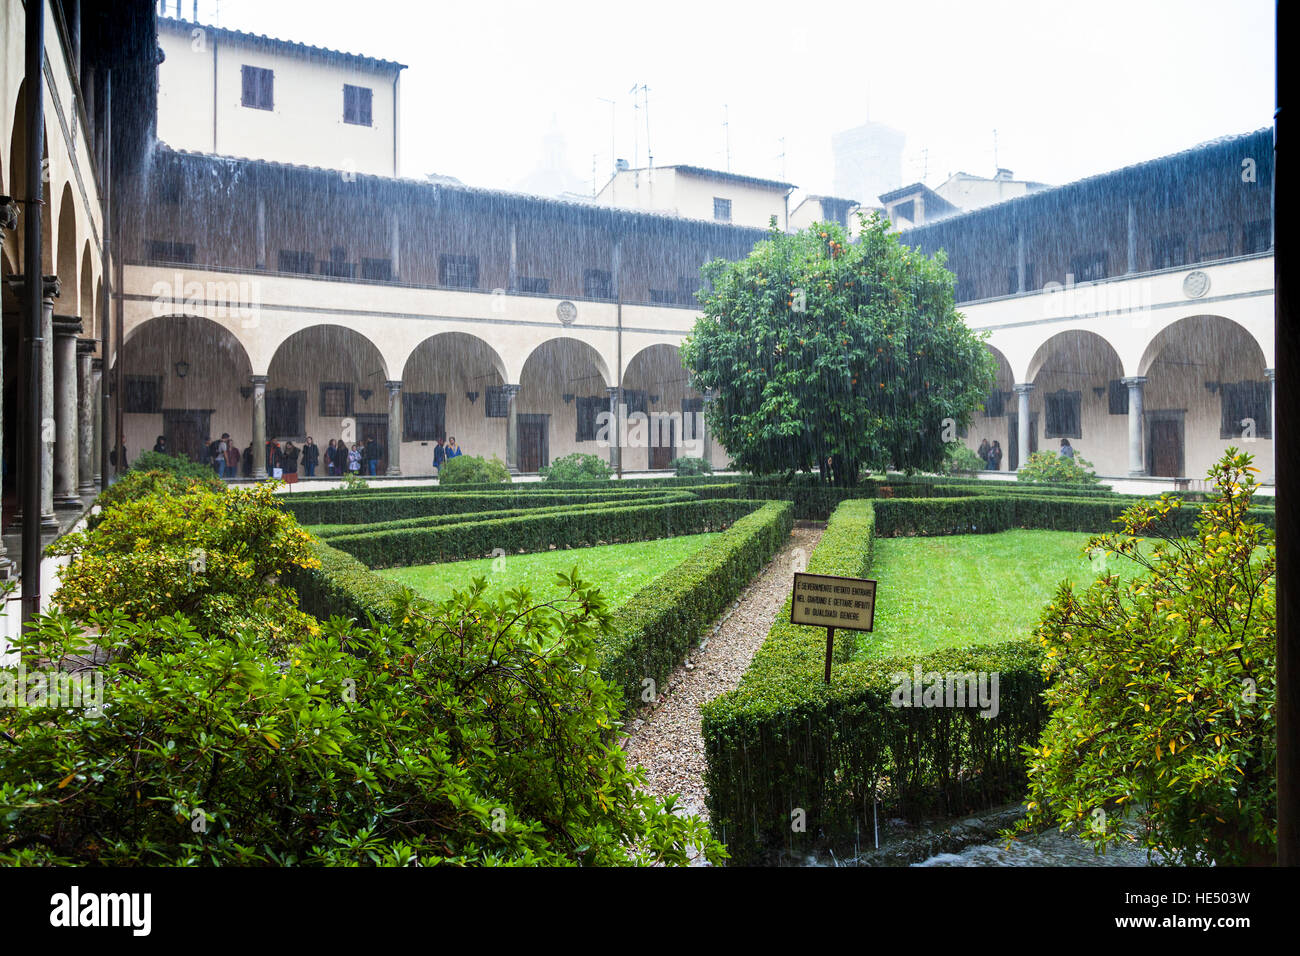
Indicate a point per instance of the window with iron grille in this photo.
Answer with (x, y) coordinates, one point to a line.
(589, 409)
(995, 405)
(1116, 397)
(636, 401)
(258, 87)
(284, 413)
(1245, 405)
(1062, 414)
(496, 402)
(721, 209)
(144, 394)
(356, 105)
(458, 272)
(335, 399)
(424, 416)
(165, 250)
(597, 284)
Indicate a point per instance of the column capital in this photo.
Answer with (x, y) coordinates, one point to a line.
(97, 364)
(49, 286)
(393, 385)
(1270, 374)
(258, 379)
(611, 390)
(1134, 381)
(67, 326)
(1023, 388)
(87, 346)
(510, 390)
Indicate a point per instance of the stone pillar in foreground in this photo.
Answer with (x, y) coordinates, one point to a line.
(97, 399)
(49, 292)
(66, 452)
(613, 429)
(86, 393)
(1136, 461)
(512, 429)
(1022, 425)
(394, 429)
(259, 427)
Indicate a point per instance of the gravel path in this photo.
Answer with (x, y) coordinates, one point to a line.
(664, 737)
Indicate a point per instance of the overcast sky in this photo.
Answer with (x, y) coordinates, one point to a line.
(1072, 88)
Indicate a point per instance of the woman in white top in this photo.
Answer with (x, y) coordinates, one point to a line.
(354, 459)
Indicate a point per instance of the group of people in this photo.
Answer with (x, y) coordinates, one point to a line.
(225, 458)
(991, 455)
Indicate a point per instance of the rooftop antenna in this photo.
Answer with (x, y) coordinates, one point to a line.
(726, 129)
(782, 157)
(925, 163)
(995, 152)
(593, 175)
(636, 146)
(613, 164)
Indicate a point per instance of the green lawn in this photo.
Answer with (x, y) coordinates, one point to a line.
(958, 590)
(619, 569)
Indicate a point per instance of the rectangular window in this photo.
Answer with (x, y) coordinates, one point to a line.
(284, 413)
(1116, 397)
(337, 266)
(692, 427)
(424, 416)
(589, 410)
(1246, 408)
(636, 401)
(662, 297)
(597, 284)
(1256, 237)
(356, 105)
(164, 250)
(1062, 414)
(1168, 252)
(291, 260)
(258, 88)
(721, 209)
(534, 285)
(458, 272)
(496, 403)
(377, 270)
(995, 404)
(1214, 244)
(335, 399)
(144, 395)
(1089, 268)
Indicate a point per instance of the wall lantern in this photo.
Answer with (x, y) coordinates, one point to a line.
(472, 396)
(1211, 387)
(365, 393)
(246, 392)
(1099, 390)
(182, 368)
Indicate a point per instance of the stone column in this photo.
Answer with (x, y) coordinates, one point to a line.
(1271, 375)
(66, 450)
(1136, 461)
(96, 397)
(512, 429)
(613, 433)
(394, 429)
(1022, 425)
(85, 418)
(259, 427)
(49, 292)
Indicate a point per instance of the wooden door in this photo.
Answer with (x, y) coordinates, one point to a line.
(1166, 449)
(185, 432)
(662, 453)
(375, 427)
(532, 439)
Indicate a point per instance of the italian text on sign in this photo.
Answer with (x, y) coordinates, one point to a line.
(826, 600)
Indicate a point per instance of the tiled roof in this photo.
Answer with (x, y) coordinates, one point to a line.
(288, 46)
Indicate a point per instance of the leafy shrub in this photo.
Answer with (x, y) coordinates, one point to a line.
(577, 467)
(689, 467)
(353, 483)
(1163, 690)
(1049, 466)
(134, 485)
(157, 461)
(474, 731)
(184, 548)
(471, 469)
(960, 460)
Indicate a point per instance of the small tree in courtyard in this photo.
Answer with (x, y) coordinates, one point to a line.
(820, 348)
(1162, 691)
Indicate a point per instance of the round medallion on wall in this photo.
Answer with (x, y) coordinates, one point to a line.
(1196, 284)
(566, 312)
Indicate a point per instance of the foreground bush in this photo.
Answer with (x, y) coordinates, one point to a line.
(1049, 466)
(577, 467)
(1163, 690)
(474, 731)
(156, 461)
(960, 460)
(686, 466)
(472, 470)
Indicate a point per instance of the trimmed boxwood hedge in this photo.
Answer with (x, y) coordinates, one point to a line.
(539, 532)
(658, 624)
(344, 586)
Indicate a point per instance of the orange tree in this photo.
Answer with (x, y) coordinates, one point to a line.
(820, 348)
(1162, 690)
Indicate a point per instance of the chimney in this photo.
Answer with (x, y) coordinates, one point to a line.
(620, 166)
(1003, 175)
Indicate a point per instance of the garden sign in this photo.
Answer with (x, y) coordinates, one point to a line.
(830, 601)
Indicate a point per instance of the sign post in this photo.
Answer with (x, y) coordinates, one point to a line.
(831, 601)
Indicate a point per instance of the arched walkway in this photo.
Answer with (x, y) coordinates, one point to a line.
(562, 388)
